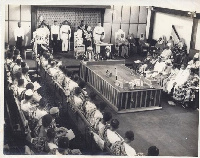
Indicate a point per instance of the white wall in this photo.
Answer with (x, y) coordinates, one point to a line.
(163, 26)
(197, 45)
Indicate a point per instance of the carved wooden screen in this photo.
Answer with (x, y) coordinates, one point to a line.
(72, 15)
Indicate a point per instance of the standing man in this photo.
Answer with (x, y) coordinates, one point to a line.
(19, 37)
(55, 36)
(65, 35)
(98, 33)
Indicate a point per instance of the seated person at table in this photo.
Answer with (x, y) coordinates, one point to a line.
(44, 60)
(72, 85)
(54, 112)
(17, 54)
(89, 54)
(180, 78)
(195, 63)
(26, 104)
(158, 68)
(43, 144)
(16, 77)
(102, 124)
(107, 53)
(75, 99)
(9, 59)
(17, 67)
(89, 105)
(63, 148)
(82, 85)
(166, 53)
(123, 148)
(153, 151)
(142, 40)
(20, 87)
(174, 71)
(97, 114)
(111, 136)
(160, 45)
(185, 92)
(144, 65)
(25, 76)
(52, 70)
(170, 42)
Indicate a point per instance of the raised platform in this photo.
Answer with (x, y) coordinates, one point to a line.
(121, 99)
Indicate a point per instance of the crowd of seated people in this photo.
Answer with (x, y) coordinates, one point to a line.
(44, 136)
(102, 126)
(172, 69)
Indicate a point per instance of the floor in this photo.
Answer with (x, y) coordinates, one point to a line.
(173, 129)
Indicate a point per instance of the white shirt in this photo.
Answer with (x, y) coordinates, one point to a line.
(64, 30)
(97, 33)
(166, 53)
(112, 136)
(55, 29)
(129, 150)
(19, 32)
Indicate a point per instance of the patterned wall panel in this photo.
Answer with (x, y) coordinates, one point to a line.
(72, 15)
(14, 12)
(26, 13)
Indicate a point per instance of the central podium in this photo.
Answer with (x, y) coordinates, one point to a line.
(146, 96)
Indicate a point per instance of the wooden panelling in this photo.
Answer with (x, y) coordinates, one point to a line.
(141, 29)
(107, 28)
(125, 28)
(25, 13)
(14, 12)
(133, 29)
(134, 14)
(108, 16)
(115, 28)
(12, 26)
(143, 15)
(6, 31)
(27, 32)
(125, 14)
(6, 12)
(117, 14)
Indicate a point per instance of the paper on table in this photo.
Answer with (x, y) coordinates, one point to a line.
(70, 134)
(137, 61)
(36, 85)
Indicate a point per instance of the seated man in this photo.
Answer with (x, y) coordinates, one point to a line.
(166, 53)
(160, 45)
(158, 68)
(89, 54)
(123, 148)
(108, 54)
(122, 43)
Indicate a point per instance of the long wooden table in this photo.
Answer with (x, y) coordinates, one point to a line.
(146, 97)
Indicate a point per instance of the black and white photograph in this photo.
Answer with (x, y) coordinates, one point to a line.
(100, 78)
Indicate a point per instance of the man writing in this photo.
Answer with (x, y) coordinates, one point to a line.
(19, 36)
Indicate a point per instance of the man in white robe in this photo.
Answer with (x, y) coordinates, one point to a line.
(98, 33)
(65, 35)
(166, 53)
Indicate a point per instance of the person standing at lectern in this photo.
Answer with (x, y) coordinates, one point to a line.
(55, 36)
(65, 35)
(98, 33)
(19, 37)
